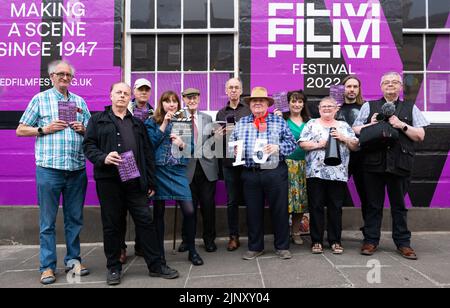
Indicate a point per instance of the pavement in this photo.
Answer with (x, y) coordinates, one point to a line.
(222, 269)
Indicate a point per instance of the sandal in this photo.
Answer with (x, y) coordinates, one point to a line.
(48, 277)
(77, 269)
(317, 248)
(337, 249)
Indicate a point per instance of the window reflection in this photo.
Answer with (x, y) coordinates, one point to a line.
(169, 14)
(222, 13)
(195, 12)
(414, 14)
(143, 14)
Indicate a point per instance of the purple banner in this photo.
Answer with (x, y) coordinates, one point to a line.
(32, 33)
(293, 48)
(442, 193)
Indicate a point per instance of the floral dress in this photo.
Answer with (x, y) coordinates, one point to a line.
(298, 199)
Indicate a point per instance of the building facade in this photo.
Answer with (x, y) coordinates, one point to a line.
(280, 44)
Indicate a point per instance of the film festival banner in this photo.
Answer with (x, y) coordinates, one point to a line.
(313, 45)
(33, 33)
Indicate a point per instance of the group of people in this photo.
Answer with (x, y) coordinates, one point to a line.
(277, 159)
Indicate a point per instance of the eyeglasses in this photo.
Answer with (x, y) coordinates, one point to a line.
(327, 107)
(393, 82)
(62, 75)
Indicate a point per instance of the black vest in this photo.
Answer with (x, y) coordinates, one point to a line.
(397, 159)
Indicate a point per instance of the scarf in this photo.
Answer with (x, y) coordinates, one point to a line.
(260, 122)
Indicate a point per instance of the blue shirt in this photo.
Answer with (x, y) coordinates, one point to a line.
(277, 133)
(61, 150)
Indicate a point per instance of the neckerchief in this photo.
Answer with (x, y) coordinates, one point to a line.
(260, 122)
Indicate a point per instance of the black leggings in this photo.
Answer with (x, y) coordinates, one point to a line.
(187, 208)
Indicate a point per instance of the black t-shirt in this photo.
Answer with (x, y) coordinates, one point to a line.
(228, 113)
(349, 113)
(126, 131)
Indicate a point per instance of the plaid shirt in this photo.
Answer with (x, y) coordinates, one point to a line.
(61, 150)
(277, 133)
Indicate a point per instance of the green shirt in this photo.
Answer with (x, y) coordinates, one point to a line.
(296, 130)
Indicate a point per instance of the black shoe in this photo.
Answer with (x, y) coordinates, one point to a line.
(195, 259)
(113, 277)
(183, 247)
(210, 247)
(164, 272)
(138, 252)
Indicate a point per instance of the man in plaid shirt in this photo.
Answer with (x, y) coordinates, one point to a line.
(60, 167)
(266, 140)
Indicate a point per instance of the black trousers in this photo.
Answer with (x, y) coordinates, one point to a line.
(115, 199)
(376, 184)
(356, 169)
(259, 185)
(331, 194)
(203, 193)
(124, 235)
(235, 197)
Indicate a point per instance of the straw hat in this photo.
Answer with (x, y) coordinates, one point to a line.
(259, 92)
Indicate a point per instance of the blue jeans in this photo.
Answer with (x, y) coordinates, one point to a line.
(51, 183)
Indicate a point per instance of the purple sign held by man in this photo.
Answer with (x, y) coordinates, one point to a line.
(128, 168)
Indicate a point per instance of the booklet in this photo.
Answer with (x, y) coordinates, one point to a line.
(67, 111)
(128, 169)
(281, 101)
(337, 92)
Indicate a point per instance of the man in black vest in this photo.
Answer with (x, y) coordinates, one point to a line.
(390, 166)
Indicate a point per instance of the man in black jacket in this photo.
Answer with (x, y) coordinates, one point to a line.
(390, 167)
(109, 134)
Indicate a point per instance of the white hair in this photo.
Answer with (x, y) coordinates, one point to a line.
(328, 99)
(391, 74)
(52, 66)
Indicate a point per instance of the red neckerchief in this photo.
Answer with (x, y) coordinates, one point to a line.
(260, 122)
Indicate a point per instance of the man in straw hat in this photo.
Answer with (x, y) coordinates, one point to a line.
(264, 140)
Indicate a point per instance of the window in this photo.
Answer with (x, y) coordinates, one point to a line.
(195, 14)
(426, 54)
(187, 43)
(143, 14)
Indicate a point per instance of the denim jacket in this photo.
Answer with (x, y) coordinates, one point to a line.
(163, 145)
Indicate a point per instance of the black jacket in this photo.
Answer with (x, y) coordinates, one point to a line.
(102, 137)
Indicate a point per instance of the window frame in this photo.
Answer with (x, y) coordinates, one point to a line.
(432, 116)
(129, 33)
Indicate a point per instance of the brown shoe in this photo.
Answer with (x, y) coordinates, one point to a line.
(368, 249)
(407, 252)
(123, 256)
(233, 244)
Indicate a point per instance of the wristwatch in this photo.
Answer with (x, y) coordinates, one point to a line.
(41, 131)
(405, 128)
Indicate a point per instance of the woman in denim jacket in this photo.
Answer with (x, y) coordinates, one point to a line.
(171, 180)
